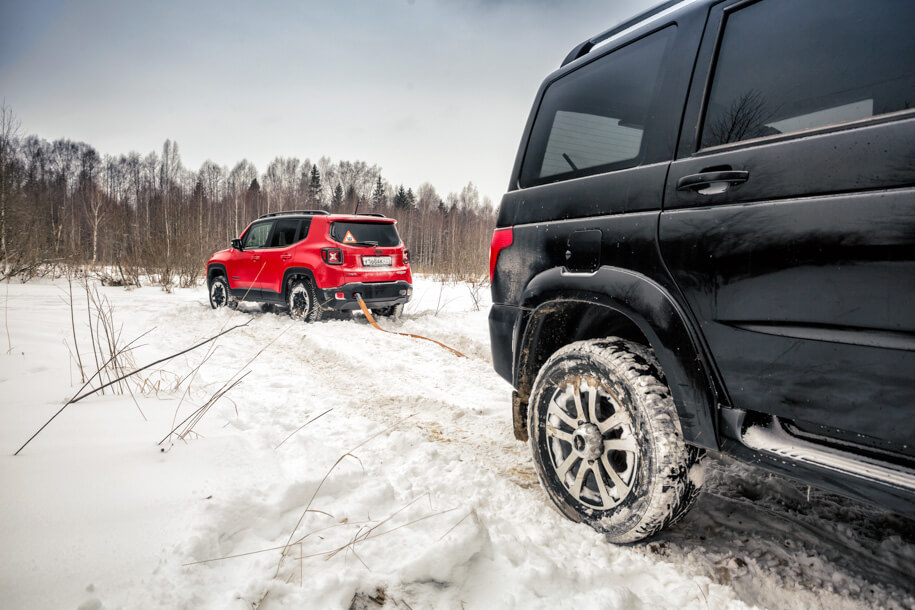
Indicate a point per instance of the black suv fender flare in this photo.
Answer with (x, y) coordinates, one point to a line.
(291, 271)
(656, 314)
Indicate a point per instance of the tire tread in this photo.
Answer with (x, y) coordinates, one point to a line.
(673, 492)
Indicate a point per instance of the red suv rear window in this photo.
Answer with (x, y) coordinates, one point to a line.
(370, 233)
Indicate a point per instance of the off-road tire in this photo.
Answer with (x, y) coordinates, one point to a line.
(302, 301)
(392, 311)
(220, 295)
(633, 427)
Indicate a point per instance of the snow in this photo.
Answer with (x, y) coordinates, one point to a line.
(414, 484)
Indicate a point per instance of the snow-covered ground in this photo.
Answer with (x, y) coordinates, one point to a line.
(416, 492)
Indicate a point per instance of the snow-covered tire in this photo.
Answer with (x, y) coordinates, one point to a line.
(302, 301)
(220, 295)
(393, 311)
(603, 405)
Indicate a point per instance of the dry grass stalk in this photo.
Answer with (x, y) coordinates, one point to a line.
(198, 414)
(297, 430)
(107, 340)
(82, 374)
(367, 530)
(452, 528)
(192, 376)
(278, 548)
(79, 396)
(313, 495)
(188, 424)
(149, 387)
(371, 536)
(160, 361)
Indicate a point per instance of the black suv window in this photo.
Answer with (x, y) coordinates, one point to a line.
(375, 233)
(789, 65)
(256, 237)
(285, 232)
(596, 118)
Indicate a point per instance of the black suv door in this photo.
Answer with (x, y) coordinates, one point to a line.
(789, 219)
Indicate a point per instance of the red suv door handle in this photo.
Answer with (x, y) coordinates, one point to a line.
(255, 258)
(285, 257)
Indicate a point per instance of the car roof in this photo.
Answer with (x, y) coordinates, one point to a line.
(360, 218)
(366, 217)
(643, 19)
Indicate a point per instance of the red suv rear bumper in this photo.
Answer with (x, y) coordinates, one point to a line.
(375, 295)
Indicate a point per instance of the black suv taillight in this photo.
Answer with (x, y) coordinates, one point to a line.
(332, 256)
(406, 256)
(501, 239)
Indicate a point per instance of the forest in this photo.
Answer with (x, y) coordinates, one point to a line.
(134, 217)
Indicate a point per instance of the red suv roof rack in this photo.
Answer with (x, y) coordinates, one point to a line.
(271, 214)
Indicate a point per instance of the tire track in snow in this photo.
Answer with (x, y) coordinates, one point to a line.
(440, 404)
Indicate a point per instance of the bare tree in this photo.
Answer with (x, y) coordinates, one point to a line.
(96, 213)
(744, 118)
(149, 216)
(9, 134)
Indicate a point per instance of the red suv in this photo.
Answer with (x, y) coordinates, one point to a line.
(311, 261)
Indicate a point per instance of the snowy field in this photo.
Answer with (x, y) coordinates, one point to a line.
(408, 491)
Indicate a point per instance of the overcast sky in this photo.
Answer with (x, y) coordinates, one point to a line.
(430, 90)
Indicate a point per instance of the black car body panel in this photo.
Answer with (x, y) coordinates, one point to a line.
(773, 273)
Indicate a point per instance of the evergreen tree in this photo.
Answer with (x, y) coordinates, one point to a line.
(400, 199)
(337, 200)
(252, 198)
(411, 199)
(378, 193)
(314, 187)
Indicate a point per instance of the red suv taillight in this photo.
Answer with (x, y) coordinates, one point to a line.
(501, 239)
(332, 256)
(406, 256)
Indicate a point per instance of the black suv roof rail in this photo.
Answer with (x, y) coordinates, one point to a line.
(371, 214)
(271, 214)
(582, 49)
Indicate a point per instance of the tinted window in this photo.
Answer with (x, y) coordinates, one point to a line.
(360, 233)
(788, 65)
(285, 232)
(256, 237)
(597, 118)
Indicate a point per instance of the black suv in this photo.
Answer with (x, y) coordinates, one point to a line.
(708, 243)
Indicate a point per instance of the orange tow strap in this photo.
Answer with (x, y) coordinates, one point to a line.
(368, 316)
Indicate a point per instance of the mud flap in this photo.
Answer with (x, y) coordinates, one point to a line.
(519, 417)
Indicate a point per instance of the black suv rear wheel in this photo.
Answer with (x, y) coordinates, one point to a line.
(607, 442)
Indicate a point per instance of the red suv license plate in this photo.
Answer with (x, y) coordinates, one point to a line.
(376, 261)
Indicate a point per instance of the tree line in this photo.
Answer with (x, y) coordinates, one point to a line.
(134, 216)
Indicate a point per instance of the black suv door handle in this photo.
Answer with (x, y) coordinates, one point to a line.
(712, 183)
